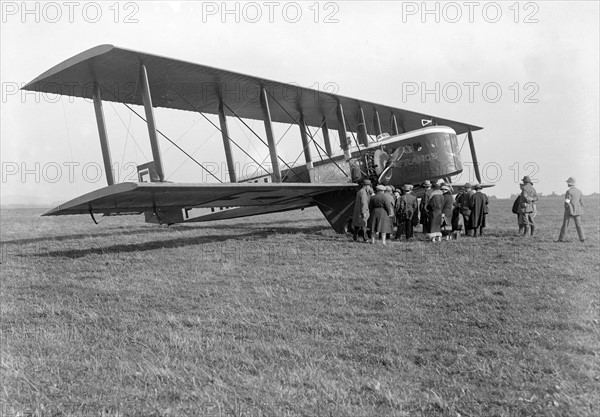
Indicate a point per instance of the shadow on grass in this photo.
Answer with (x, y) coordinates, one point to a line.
(255, 236)
(121, 230)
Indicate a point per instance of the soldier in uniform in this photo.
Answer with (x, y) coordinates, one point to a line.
(528, 199)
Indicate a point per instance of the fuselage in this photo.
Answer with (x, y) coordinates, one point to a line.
(425, 154)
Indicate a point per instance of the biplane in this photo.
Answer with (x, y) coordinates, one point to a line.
(392, 146)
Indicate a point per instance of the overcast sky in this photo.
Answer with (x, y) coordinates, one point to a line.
(526, 72)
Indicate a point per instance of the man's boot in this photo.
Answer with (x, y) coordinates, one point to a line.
(355, 234)
(526, 231)
(532, 230)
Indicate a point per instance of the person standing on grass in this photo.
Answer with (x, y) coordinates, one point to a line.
(361, 211)
(479, 209)
(456, 223)
(423, 206)
(516, 209)
(397, 219)
(447, 209)
(434, 211)
(465, 203)
(528, 209)
(407, 207)
(389, 193)
(380, 207)
(573, 210)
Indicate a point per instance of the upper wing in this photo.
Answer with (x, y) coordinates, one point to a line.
(139, 197)
(186, 86)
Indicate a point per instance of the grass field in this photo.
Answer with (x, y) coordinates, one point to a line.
(281, 316)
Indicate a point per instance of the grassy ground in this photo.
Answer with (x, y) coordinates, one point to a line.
(282, 317)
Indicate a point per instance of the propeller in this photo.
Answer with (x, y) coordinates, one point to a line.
(386, 174)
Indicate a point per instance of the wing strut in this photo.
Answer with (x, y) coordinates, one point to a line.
(227, 143)
(342, 131)
(363, 137)
(147, 99)
(474, 157)
(394, 125)
(325, 136)
(103, 136)
(264, 102)
(305, 143)
(325, 131)
(377, 123)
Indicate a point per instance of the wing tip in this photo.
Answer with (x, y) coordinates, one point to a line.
(87, 54)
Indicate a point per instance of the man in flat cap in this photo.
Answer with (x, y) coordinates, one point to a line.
(407, 207)
(573, 210)
(361, 210)
(528, 199)
(423, 206)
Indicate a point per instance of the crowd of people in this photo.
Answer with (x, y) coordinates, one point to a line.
(377, 212)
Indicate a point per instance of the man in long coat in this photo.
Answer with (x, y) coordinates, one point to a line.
(423, 206)
(528, 199)
(478, 205)
(573, 210)
(465, 210)
(361, 211)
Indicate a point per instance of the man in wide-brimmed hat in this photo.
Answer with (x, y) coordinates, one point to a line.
(573, 210)
(528, 199)
(360, 216)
